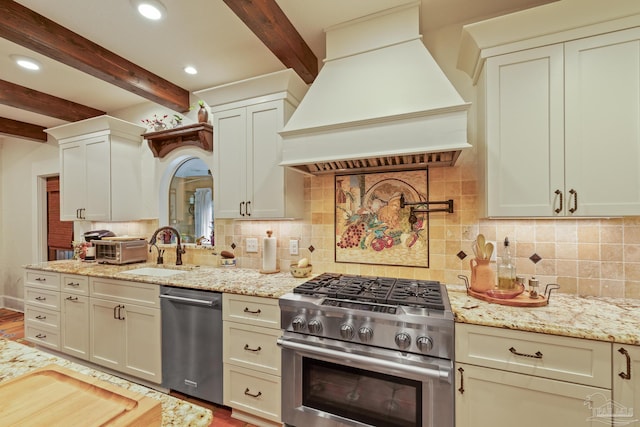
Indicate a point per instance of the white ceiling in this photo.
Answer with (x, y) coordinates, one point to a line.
(203, 33)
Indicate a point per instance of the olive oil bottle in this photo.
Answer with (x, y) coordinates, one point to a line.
(506, 268)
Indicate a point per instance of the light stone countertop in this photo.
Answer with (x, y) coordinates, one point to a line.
(602, 319)
(17, 359)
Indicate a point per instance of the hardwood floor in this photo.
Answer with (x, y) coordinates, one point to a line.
(12, 328)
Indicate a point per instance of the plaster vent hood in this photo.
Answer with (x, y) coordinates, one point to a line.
(379, 103)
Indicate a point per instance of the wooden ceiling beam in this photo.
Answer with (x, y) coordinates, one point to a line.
(271, 25)
(40, 34)
(22, 130)
(48, 105)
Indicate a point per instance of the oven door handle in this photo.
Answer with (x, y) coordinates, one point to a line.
(442, 375)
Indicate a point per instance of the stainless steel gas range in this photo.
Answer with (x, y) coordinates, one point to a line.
(367, 351)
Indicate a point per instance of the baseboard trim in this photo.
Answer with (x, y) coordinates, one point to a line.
(12, 303)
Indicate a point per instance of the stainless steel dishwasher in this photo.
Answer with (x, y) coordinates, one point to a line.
(192, 342)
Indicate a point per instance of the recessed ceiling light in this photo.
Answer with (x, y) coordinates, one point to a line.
(190, 70)
(150, 9)
(26, 62)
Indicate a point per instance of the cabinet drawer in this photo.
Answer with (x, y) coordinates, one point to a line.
(42, 279)
(251, 310)
(252, 392)
(252, 347)
(42, 336)
(42, 298)
(74, 284)
(575, 360)
(41, 317)
(145, 294)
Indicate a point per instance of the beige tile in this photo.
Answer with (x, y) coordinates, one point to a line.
(545, 250)
(589, 287)
(567, 231)
(631, 253)
(567, 251)
(611, 234)
(568, 285)
(612, 288)
(588, 269)
(545, 233)
(613, 252)
(589, 251)
(567, 268)
(632, 235)
(589, 234)
(632, 271)
(612, 270)
(632, 289)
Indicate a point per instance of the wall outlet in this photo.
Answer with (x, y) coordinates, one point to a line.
(293, 247)
(251, 245)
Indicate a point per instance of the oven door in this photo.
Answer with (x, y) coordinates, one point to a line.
(328, 383)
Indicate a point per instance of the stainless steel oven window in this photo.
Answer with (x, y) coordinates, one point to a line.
(365, 396)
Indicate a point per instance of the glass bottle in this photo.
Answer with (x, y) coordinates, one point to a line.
(506, 268)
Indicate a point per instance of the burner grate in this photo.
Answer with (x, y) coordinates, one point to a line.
(384, 290)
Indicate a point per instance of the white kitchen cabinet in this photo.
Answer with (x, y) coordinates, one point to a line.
(559, 129)
(74, 315)
(249, 182)
(626, 384)
(75, 325)
(125, 327)
(99, 169)
(507, 378)
(252, 362)
(42, 308)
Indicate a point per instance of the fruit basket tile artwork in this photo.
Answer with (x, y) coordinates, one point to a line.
(370, 226)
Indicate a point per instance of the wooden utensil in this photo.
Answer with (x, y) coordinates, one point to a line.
(489, 250)
(481, 246)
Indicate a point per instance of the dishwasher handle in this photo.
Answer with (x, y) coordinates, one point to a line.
(190, 300)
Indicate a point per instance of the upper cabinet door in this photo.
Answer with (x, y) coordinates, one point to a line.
(523, 152)
(230, 152)
(72, 186)
(602, 120)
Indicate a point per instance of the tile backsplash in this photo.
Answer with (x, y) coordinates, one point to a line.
(599, 257)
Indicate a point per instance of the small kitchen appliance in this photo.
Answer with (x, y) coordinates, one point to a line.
(120, 250)
(367, 351)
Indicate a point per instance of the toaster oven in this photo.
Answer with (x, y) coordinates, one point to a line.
(120, 251)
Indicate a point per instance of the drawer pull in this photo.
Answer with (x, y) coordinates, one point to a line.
(41, 336)
(41, 299)
(246, 347)
(461, 389)
(627, 375)
(246, 310)
(75, 285)
(538, 355)
(41, 279)
(39, 317)
(72, 298)
(246, 392)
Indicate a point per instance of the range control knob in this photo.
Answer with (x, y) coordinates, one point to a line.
(315, 326)
(346, 331)
(425, 344)
(365, 333)
(403, 340)
(299, 324)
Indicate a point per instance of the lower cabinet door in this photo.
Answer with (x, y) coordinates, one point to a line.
(142, 342)
(626, 384)
(488, 397)
(107, 333)
(75, 325)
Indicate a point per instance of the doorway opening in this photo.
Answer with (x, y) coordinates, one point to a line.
(59, 233)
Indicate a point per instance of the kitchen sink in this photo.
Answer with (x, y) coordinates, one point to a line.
(155, 272)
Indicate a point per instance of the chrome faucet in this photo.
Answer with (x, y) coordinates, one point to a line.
(179, 249)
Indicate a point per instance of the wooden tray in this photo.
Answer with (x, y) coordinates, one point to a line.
(56, 396)
(521, 300)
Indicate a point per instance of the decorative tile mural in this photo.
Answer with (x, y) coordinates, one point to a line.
(370, 225)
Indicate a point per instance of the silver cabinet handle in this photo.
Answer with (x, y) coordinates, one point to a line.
(625, 375)
(246, 392)
(246, 347)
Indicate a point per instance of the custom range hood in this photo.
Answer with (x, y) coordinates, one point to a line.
(379, 103)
